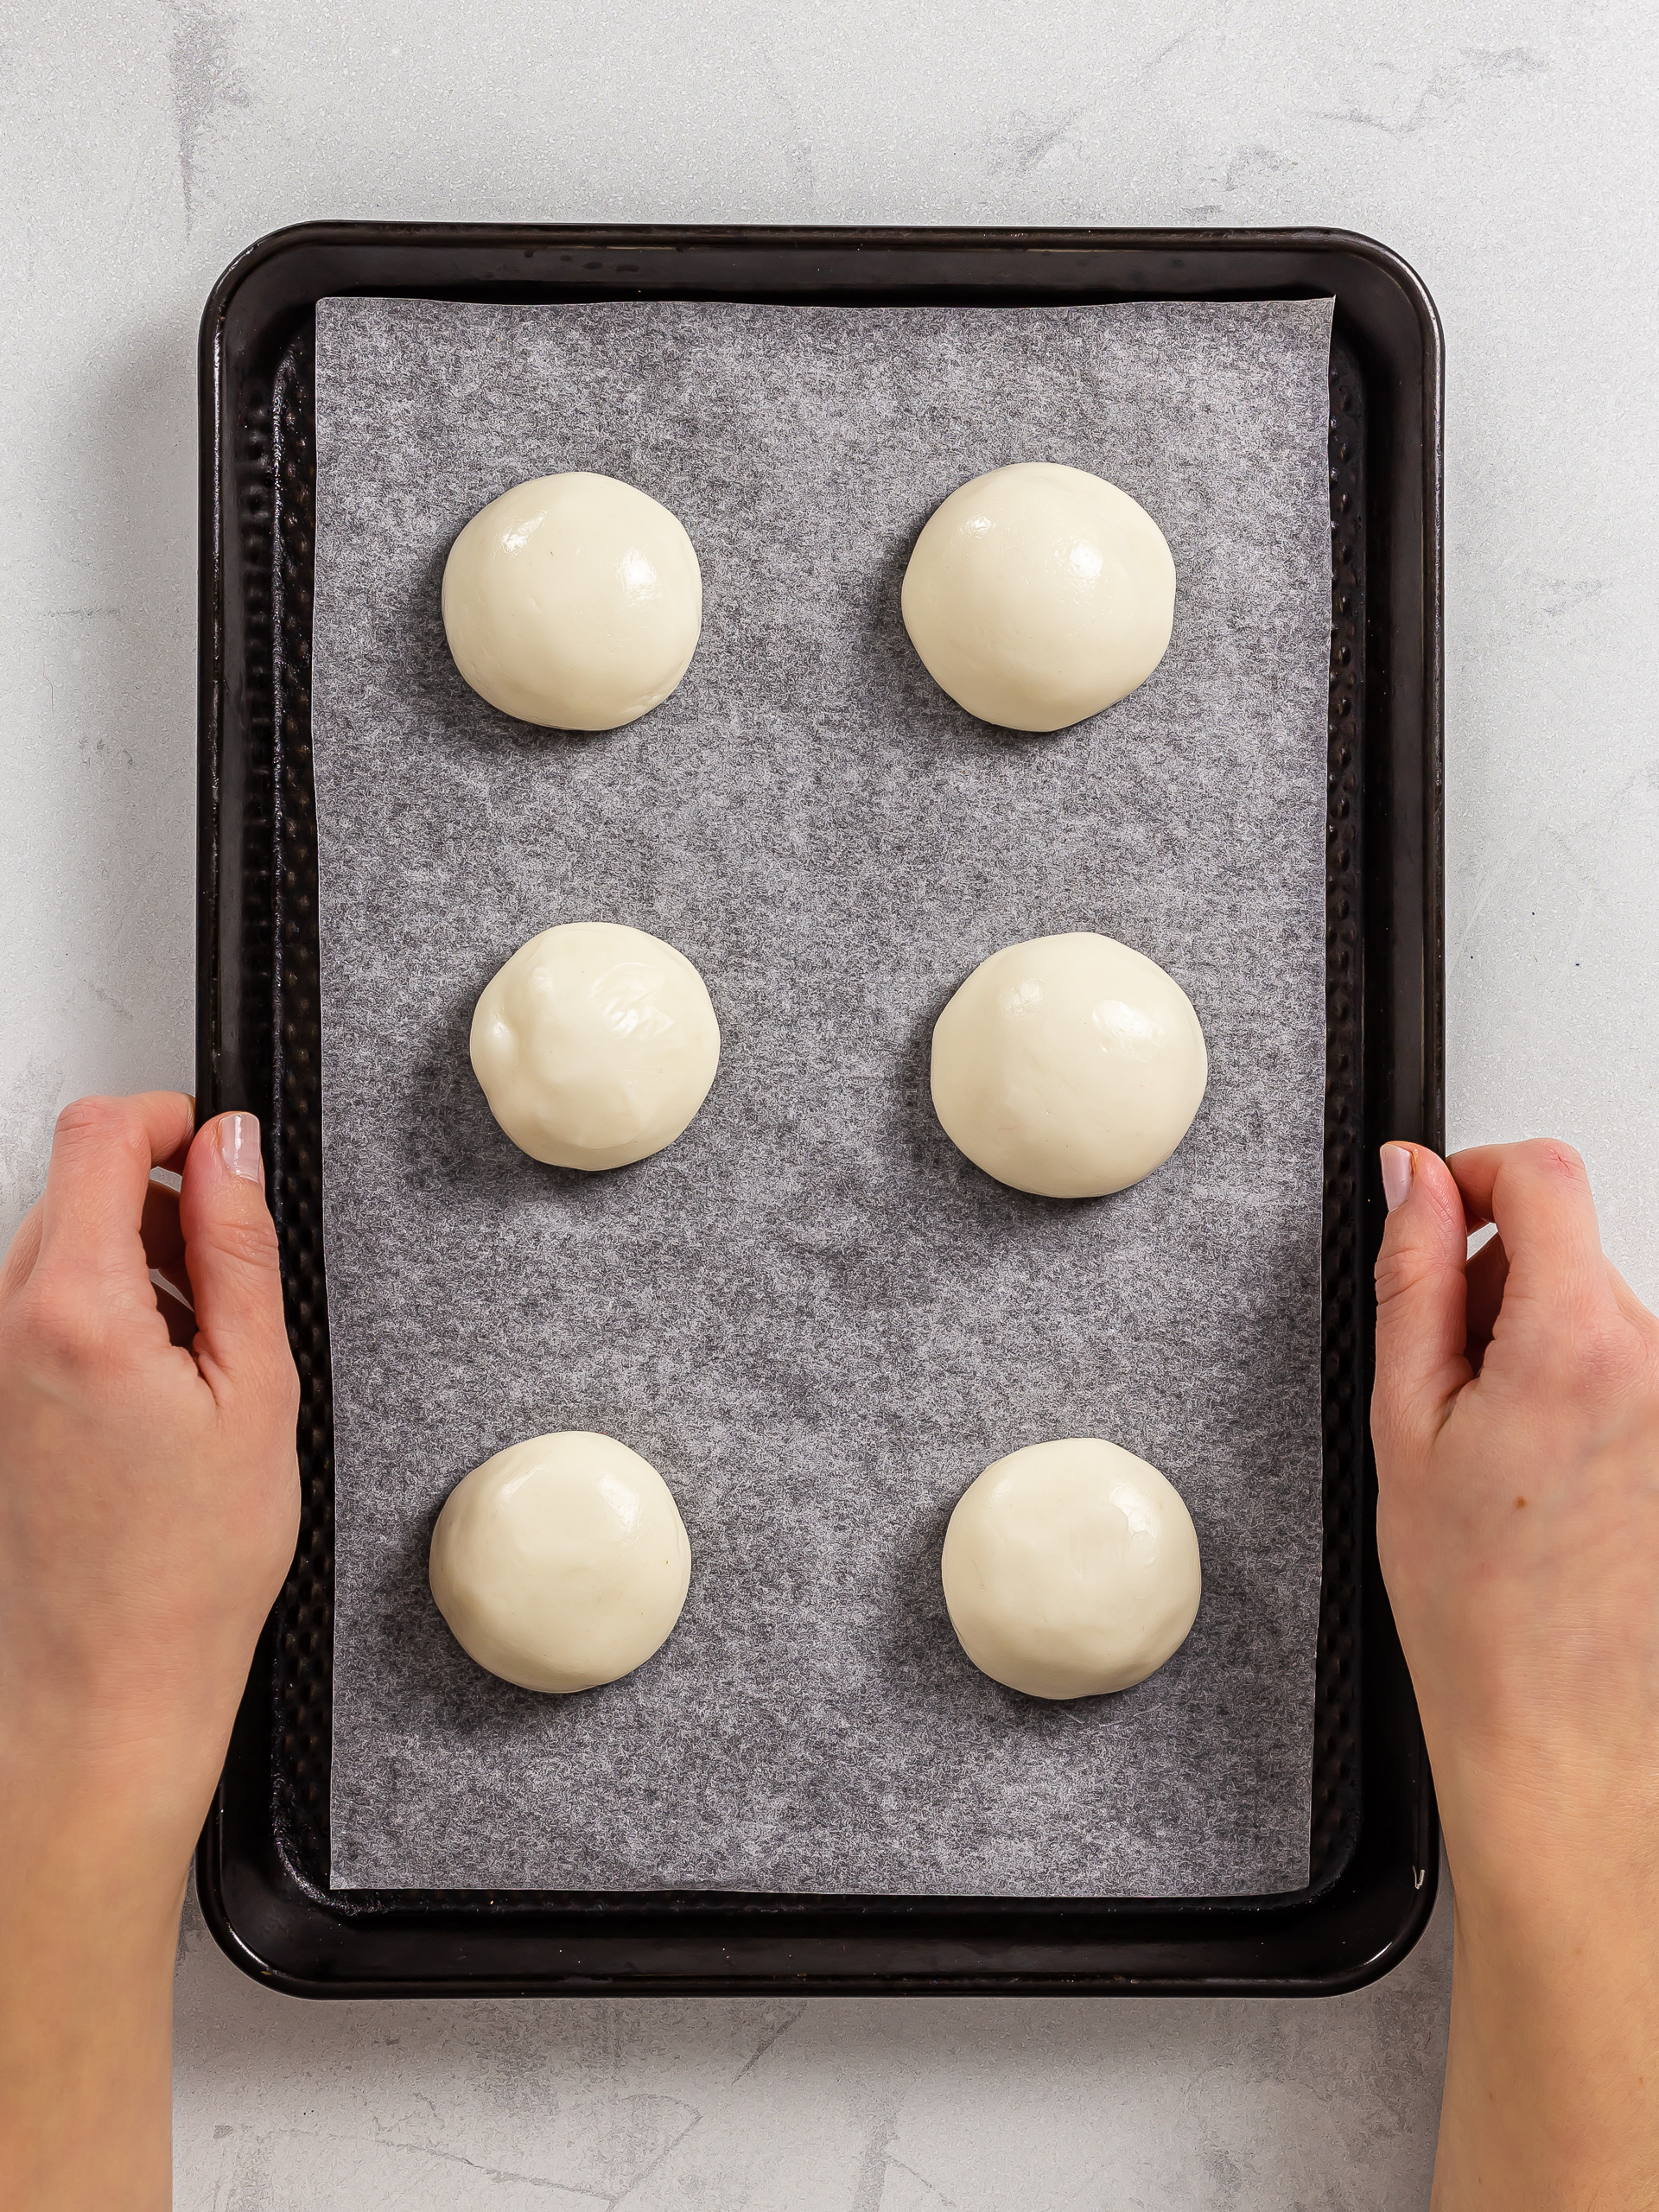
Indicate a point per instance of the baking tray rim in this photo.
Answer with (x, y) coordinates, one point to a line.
(1248, 247)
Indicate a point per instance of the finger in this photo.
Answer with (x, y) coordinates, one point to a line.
(1420, 1366)
(1631, 1305)
(159, 1226)
(230, 1249)
(163, 1239)
(174, 1164)
(97, 1178)
(1539, 1195)
(164, 1251)
(23, 1252)
(1488, 1272)
(173, 1304)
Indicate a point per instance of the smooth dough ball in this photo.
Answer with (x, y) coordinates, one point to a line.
(561, 1563)
(1070, 1569)
(1068, 1066)
(574, 601)
(1039, 594)
(595, 1045)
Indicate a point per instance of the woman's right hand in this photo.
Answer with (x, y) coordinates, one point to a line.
(1515, 1417)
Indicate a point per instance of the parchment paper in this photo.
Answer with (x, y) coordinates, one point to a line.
(811, 1313)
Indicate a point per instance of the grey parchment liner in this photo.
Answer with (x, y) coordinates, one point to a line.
(811, 1313)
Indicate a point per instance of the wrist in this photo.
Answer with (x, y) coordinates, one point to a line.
(89, 1918)
(1541, 1821)
(1551, 2100)
(109, 1834)
(143, 1757)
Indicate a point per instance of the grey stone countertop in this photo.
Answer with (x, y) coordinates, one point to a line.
(1507, 152)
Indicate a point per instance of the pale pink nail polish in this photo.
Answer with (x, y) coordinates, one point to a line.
(238, 1146)
(1398, 1168)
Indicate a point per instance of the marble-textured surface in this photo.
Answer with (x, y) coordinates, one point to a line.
(823, 2104)
(1507, 150)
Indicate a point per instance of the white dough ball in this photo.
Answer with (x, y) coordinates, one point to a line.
(1068, 1066)
(1070, 1569)
(574, 602)
(1037, 594)
(561, 1563)
(595, 1045)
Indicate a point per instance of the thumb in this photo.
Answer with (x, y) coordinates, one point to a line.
(229, 1251)
(1422, 1287)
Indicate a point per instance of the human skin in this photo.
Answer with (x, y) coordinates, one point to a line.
(148, 1506)
(148, 1502)
(1515, 1417)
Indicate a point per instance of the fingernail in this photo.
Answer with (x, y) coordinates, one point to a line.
(238, 1146)
(1397, 1170)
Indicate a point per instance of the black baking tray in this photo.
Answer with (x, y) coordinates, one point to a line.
(263, 1865)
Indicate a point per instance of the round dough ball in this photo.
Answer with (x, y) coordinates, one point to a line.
(1070, 1569)
(595, 1045)
(1068, 1066)
(1039, 594)
(561, 1563)
(574, 602)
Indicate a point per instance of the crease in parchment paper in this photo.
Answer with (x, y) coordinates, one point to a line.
(811, 1313)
